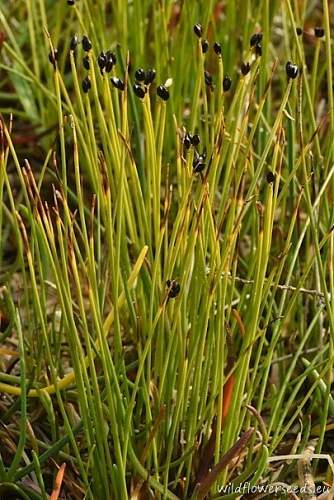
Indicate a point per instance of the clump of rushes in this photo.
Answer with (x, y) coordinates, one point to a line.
(255, 39)
(227, 82)
(86, 63)
(319, 32)
(291, 70)
(86, 84)
(270, 177)
(299, 31)
(164, 215)
(139, 90)
(163, 92)
(53, 57)
(140, 75)
(74, 42)
(149, 76)
(110, 61)
(217, 48)
(86, 43)
(173, 288)
(198, 30)
(245, 68)
(205, 46)
(117, 83)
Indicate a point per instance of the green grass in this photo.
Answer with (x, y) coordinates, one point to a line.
(140, 394)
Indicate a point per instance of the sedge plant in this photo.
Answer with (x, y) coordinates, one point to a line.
(166, 247)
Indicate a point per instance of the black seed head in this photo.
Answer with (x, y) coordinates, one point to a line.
(163, 92)
(270, 177)
(198, 30)
(227, 82)
(255, 39)
(319, 32)
(291, 70)
(208, 78)
(74, 42)
(86, 43)
(70, 2)
(53, 57)
(195, 140)
(117, 83)
(205, 46)
(111, 56)
(149, 76)
(140, 75)
(86, 85)
(258, 49)
(102, 60)
(217, 48)
(173, 288)
(138, 90)
(199, 164)
(299, 31)
(110, 61)
(245, 68)
(86, 63)
(187, 141)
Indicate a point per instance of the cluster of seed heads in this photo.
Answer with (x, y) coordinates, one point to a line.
(199, 161)
(191, 140)
(106, 61)
(255, 42)
(86, 45)
(198, 30)
(147, 77)
(227, 81)
(143, 79)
